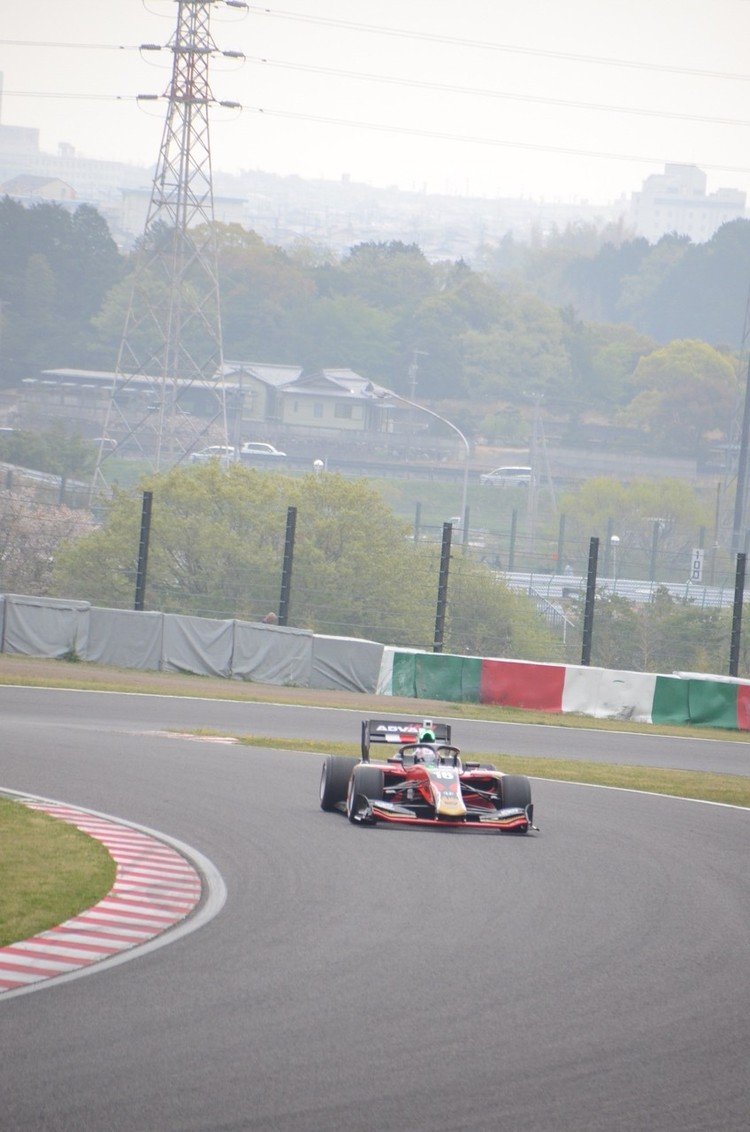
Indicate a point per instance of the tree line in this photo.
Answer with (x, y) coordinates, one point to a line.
(593, 325)
(217, 546)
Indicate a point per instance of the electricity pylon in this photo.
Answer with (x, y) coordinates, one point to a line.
(168, 390)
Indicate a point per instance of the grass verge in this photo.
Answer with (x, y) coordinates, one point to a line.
(49, 871)
(38, 672)
(728, 788)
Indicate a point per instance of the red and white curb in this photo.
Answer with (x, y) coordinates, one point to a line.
(157, 887)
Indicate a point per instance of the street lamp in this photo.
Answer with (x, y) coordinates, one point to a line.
(614, 542)
(383, 392)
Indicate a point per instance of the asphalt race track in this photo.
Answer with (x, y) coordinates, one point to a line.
(593, 976)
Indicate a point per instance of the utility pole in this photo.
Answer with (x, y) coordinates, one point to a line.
(740, 503)
(168, 390)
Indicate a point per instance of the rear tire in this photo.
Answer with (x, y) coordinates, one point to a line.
(365, 782)
(334, 781)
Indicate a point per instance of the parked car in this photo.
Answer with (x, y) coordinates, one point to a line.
(507, 477)
(224, 453)
(254, 449)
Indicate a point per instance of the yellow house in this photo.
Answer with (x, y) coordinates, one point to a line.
(333, 399)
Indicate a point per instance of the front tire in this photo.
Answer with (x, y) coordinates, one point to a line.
(515, 793)
(334, 781)
(366, 783)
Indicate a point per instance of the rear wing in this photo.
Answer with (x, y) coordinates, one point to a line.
(397, 732)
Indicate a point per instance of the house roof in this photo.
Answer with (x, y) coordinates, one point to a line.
(28, 182)
(267, 372)
(333, 382)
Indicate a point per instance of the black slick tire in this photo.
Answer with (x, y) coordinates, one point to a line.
(365, 782)
(515, 793)
(334, 780)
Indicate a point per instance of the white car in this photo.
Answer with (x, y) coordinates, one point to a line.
(507, 477)
(224, 453)
(257, 448)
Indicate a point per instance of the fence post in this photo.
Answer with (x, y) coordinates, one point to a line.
(417, 521)
(286, 569)
(607, 547)
(512, 547)
(739, 588)
(654, 550)
(588, 613)
(140, 576)
(560, 545)
(442, 601)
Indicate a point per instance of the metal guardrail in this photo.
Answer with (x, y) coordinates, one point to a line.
(639, 591)
(553, 615)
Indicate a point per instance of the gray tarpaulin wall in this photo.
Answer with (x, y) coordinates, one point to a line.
(197, 644)
(125, 639)
(153, 641)
(345, 662)
(44, 626)
(271, 655)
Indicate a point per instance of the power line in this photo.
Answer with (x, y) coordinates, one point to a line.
(435, 134)
(432, 37)
(62, 43)
(428, 37)
(569, 151)
(484, 92)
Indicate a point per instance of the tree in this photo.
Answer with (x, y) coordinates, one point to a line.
(633, 509)
(55, 269)
(31, 535)
(700, 290)
(614, 350)
(524, 352)
(687, 389)
(217, 547)
(345, 332)
(662, 635)
(57, 451)
(386, 275)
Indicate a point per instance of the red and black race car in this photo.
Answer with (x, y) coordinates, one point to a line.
(424, 782)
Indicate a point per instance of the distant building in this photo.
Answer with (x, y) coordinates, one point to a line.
(259, 394)
(135, 202)
(29, 187)
(337, 399)
(676, 201)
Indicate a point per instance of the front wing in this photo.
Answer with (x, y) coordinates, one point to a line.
(499, 820)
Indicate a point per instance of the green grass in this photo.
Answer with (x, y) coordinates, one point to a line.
(49, 871)
(731, 789)
(36, 672)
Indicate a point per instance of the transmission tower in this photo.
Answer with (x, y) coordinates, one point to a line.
(168, 391)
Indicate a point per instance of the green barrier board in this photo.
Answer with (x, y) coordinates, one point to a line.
(670, 700)
(404, 681)
(712, 703)
(444, 677)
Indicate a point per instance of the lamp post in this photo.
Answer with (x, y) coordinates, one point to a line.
(430, 412)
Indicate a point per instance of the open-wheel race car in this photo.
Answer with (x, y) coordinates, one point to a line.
(424, 782)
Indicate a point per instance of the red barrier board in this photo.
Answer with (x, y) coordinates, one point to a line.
(743, 707)
(514, 683)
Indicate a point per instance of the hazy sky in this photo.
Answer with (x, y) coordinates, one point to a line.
(574, 100)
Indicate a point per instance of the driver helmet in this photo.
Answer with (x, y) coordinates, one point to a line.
(425, 749)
